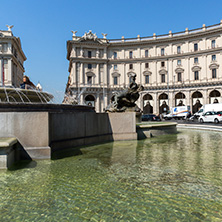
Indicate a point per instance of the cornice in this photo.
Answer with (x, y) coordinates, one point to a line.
(184, 86)
(165, 57)
(193, 86)
(88, 60)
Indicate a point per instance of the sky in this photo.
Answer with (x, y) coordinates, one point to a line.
(44, 27)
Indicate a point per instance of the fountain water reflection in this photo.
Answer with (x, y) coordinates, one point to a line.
(169, 178)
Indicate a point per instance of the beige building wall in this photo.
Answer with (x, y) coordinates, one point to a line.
(12, 58)
(174, 68)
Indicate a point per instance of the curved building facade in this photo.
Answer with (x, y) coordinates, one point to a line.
(182, 68)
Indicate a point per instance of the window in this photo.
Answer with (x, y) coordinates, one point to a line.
(162, 77)
(89, 66)
(162, 64)
(4, 47)
(178, 49)
(115, 55)
(130, 66)
(115, 67)
(213, 43)
(179, 77)
(214, 73)
(195, 60)
(178, 62)
(115, 80)
(147, 79)
(131, 54)
(196, 75)
(162, 52)
(146, 65)
(195, 47)
(146, 53)
(89, 54)
(213, 57)
(89, 79)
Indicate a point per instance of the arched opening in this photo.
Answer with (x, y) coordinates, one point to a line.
(214, 97)
(163, 103)
(90, 100)
(147, 104)
(197, 101)
(180, 99)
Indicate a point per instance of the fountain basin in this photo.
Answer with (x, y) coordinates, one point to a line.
(17, 95)
(151, 129)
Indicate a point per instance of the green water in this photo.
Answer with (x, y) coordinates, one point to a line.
(170, 178)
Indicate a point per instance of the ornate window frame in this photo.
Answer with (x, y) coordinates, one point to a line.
(213, 66)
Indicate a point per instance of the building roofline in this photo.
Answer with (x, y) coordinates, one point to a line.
(204, 30)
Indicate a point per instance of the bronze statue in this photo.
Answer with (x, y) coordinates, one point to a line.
(125, 100)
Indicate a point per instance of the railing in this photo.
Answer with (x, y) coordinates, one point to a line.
(169, 35)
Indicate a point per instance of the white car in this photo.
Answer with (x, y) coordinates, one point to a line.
(214, 117)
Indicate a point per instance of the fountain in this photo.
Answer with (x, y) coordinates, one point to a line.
(18, 95)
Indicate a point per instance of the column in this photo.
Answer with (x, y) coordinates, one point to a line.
(97, 103)
(73, 52)
(205, 97)
(186, 72)
(104, 82)
(187, 98)
(155, 103)
(155, 51)
(139, 52)
(204, 57)
(123, 53)
(170, 61)
(206, 67)
(105, 53)
(155, 73)
(219, 70)
(124, 73)
(97, 53)
(97, 75)
(139, 80)
(82, 100)
(105, 75)
(81, 52)
(190, 78)
(81, 74)
(73, 73)
(171, 99)
(9, 76)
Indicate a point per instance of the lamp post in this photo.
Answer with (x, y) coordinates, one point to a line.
(3, 73)
(168, 82)
(174, 77)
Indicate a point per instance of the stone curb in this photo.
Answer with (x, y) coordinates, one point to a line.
(7, 142)
(200, 127)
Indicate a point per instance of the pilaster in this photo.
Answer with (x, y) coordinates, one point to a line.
(9, 74)
(156, 103)
(81, 74)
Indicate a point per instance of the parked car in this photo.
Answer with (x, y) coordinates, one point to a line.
(211, 116)
(150, 117)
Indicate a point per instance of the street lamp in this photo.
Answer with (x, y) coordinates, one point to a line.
(174, 77)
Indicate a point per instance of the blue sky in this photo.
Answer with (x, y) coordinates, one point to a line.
(45, 26)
